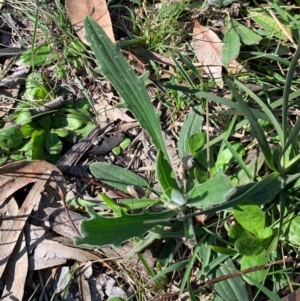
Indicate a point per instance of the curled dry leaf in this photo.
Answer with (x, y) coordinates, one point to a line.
(208, 49)
(96, 9)
(18, 174)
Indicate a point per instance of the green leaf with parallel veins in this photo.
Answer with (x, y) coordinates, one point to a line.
(101, 231)
(165, 175)
(233, 289)
(129, 86)
(116, 176)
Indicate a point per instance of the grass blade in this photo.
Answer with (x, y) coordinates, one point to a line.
(258, 132)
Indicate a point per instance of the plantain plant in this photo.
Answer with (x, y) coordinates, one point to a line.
(209, 192)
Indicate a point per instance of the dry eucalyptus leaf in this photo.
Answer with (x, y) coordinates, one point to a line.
(17, 266)
(208, 49)
(96, 9)
(50, 253)
(12, 235)
(19, 174)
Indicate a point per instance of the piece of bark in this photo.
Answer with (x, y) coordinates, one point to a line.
(73, 155)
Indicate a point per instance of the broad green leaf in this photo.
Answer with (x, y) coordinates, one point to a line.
(165, 175)
(250, 245)
(250, 216)
(191, 125)
(248, 36)
(272, 296)
(232, 289)
(42, 55)
(269, 24)
(231, 47)
(196, 144)
(252, 261)
(211, 193)
(53, 144)
(23, 117)
(35, 88)
(74, 121)
(38, 141)
(130, 87)
(293, 232)
(261, 193)
(29, 128)
(61, 71)
(82, 132)
(61, 132)
(116, 176)
(45, 122)
(11, 138)
(237, 231)
(102, 231)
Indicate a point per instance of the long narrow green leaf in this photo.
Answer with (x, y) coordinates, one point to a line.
(293, 135)
(218, 99)
(258, 132)
(130, 87)
(116, 176)
(265, 108)
(239, 159)
(286, 93)
(189, 267)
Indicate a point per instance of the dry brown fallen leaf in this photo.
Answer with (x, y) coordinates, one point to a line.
(49, 253)
(96, 9)
(19, 174)
(13, 177)
(16, 269)
(208, 49)
(13, 239)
